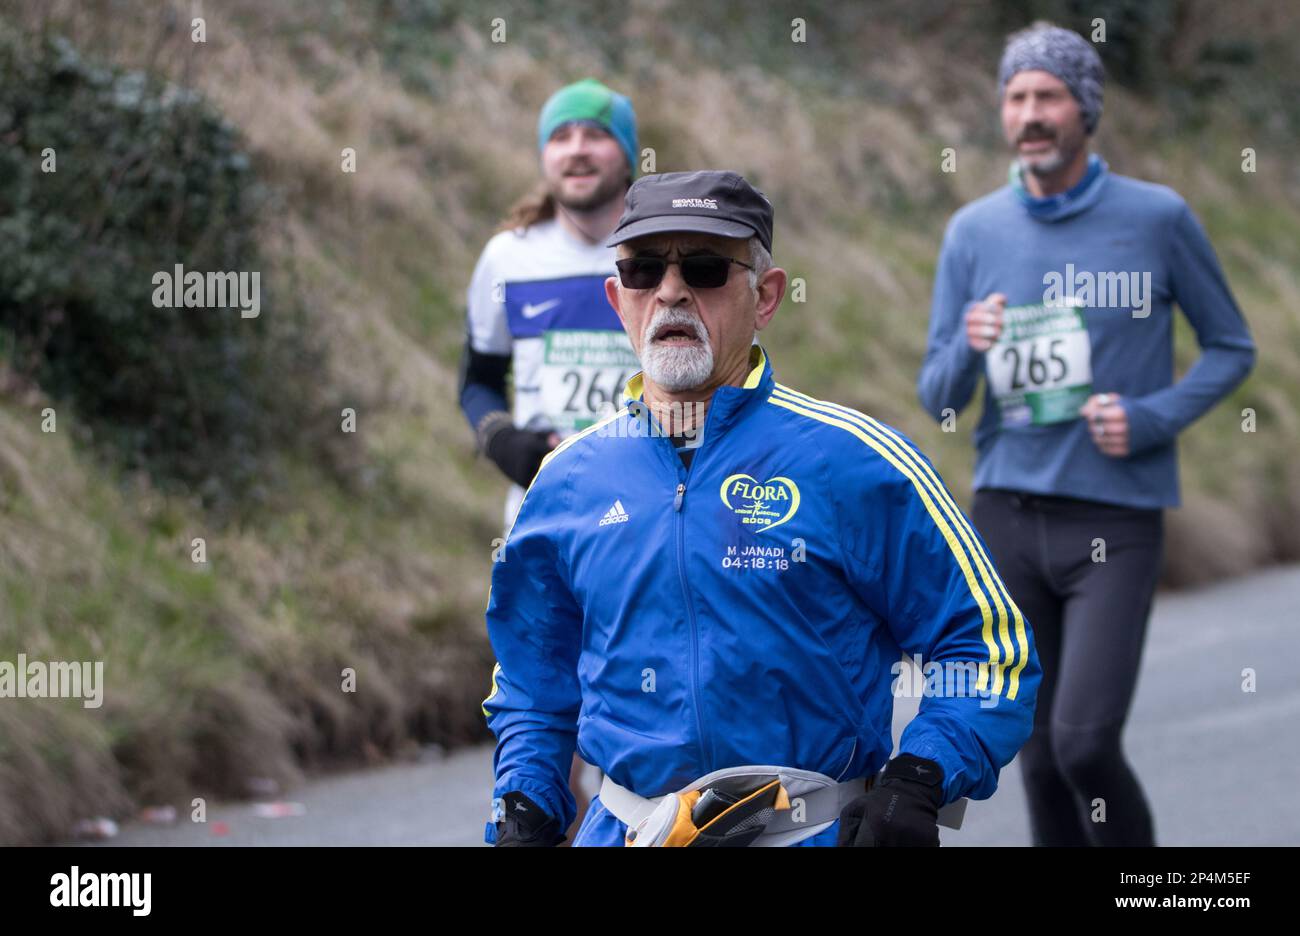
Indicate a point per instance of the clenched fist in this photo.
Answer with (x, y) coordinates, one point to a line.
(984, 321)
(1107, 423)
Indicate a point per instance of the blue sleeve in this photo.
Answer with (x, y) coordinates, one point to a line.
(477, 400)
(1227, 350)
(951, 368)
(916, 560)
(482, 384)
(535, 626)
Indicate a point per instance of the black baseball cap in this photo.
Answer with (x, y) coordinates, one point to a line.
(710, 201)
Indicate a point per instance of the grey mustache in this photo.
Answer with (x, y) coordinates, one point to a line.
(675, 320)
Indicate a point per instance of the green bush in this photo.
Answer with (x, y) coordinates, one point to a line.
(147, 176)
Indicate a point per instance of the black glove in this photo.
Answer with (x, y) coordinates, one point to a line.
(524, 824)
(517, 452)
(901, 809)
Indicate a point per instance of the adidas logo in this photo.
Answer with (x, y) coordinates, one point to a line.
(615, 514)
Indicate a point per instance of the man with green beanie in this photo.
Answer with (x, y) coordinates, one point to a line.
(536, 303)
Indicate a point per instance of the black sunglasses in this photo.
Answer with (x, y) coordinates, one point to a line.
(700, 271)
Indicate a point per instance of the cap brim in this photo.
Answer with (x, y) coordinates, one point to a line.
(672, 224)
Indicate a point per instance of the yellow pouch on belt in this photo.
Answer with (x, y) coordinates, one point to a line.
(732, 811)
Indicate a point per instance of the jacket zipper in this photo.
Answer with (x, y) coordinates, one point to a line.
(705, 761)
(684, 476)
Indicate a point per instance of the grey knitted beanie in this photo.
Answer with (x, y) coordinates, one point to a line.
(1063, 53)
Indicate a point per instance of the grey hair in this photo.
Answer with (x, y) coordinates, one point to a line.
(760, 260)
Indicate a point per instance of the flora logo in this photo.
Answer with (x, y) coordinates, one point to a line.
(760, 505)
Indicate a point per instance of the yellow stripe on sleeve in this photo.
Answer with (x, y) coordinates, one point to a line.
(989, 574)
(962, 544)
(495, 669)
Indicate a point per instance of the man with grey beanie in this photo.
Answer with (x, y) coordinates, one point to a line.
(1058, 289)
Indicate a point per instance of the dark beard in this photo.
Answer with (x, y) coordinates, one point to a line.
(600, 196)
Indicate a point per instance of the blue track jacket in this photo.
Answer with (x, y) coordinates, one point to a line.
(669, 623)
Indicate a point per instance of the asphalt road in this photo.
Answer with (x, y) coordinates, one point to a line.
(1220, 765)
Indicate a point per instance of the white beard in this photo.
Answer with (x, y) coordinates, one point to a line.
(676, 369)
